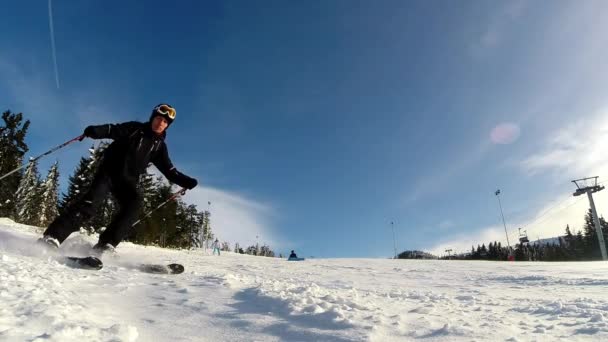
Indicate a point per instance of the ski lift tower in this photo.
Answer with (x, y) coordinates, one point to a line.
(589, 186)
(449, 251)
(394, 244)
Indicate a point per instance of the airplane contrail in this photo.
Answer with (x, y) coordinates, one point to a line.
(53, 44)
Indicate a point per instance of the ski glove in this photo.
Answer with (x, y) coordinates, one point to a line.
(89, 131)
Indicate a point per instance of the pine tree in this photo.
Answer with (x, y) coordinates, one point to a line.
(105, 211)
(28, 195)
(592, 246)
(604, 226)
(161, 225)
(49, 198)
(569, 244)
(81, 179)
(148, 187)
(207, 234)
(252, 250)
(493, 252)
(266, 251)
(77, 185)
(484, 252)
(580, 246)
(520, 252)
(477, 254)
(12, 150)
(188, 221)
(80, 182)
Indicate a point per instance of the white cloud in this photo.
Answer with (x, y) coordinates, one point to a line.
(575, 151)
(236, 218)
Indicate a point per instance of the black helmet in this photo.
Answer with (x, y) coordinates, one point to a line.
(164, 110)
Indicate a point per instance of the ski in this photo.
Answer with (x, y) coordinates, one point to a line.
(295, 259)
(93, 263)
(86, 263)
(161, 269)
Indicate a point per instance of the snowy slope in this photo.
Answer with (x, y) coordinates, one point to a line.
(245, 298)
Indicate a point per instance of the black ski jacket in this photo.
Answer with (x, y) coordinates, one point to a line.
(135, 146)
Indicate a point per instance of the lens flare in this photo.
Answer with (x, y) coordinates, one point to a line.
(505, 133)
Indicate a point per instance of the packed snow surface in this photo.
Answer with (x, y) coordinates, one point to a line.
(245, 298)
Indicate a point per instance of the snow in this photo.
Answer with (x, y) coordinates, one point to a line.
(246, 298)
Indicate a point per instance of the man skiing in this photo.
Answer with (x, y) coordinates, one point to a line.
(134, 146)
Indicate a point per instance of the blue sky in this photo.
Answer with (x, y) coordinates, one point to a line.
(312, 125)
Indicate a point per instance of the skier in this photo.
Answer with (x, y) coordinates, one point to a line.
(134, 146)
(293, 255)
(216, 247)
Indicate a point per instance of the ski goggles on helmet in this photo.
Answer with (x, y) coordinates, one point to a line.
(165, 110)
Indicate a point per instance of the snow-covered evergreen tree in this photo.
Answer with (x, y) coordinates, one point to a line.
(252, 250)
(207, 235)
(80, 180)
(162, 222)
(189, 221)
(77, 183)
(96, 157)
(49, 201)
(12, 150)
(105, 210)
(148, 187)
(28, 195)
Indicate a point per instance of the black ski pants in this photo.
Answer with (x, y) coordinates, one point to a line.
(129, 202)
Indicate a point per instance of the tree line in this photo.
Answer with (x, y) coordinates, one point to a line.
(582, 245)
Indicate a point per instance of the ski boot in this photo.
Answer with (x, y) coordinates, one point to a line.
(100, 249)
(48, 244)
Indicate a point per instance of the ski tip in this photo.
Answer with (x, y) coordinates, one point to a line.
(161, 269)
(176, 268)
(89, 263)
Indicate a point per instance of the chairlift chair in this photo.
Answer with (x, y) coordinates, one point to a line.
(523, 238)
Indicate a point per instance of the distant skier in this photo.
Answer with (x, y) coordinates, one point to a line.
(216, 247)
(293, 255)
(135, 145)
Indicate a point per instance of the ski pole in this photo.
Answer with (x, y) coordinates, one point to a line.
(181, 192)
(79, 138)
